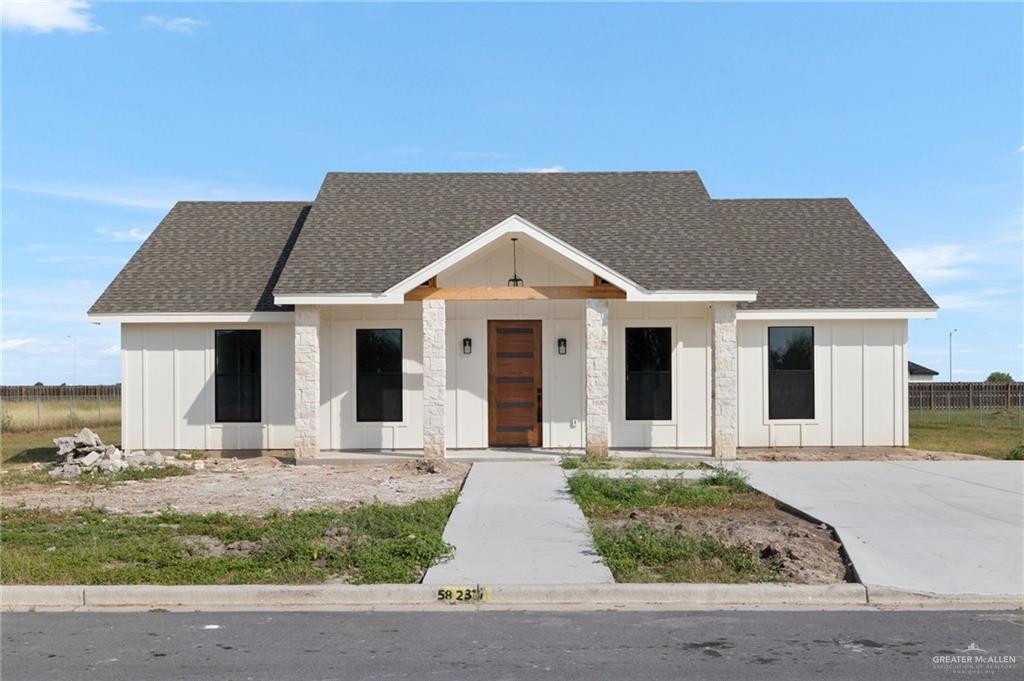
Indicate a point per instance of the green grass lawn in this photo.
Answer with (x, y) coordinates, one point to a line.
(992, 433)
(636, 551)
(374, 543)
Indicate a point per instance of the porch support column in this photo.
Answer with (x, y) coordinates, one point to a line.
(434, 378)
(724, 416)
(307, 381)
(596, 355)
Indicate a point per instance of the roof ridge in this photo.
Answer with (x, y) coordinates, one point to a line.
(513, 172)
(210, 202)
(785, 198)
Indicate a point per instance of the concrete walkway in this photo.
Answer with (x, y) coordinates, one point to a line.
(516, 523)
(941, 527)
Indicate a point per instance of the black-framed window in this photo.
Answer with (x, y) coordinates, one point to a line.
(791, 372)
(237, 375)
(648, 373)
(378, 374)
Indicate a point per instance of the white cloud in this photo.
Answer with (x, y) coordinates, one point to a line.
(973, 300)
(184, 25)
(12, 343)
(152, 194)
(134, 234)
(938, 263)
(110, 350)
(546, 169)
(47, 16)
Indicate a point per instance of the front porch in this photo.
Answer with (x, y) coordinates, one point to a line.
(569, 355)
(503, 455)
(453, 394)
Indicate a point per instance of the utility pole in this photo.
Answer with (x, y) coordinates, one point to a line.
(949, 393)
(951, 355)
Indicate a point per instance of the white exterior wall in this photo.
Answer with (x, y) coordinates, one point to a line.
(860, 386)
(860, 373)
(690, 425)
(167, 389)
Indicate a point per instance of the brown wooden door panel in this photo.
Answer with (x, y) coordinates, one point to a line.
(514, 381)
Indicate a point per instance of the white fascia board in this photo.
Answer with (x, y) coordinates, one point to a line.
(191, 317)
(693, 296)
(514, 225)
(865, 313)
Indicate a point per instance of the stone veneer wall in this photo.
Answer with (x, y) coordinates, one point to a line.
(597, 376)
(434, 376)
(307, 382)
(724, 415)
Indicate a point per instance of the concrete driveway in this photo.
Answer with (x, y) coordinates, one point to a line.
(940, 527)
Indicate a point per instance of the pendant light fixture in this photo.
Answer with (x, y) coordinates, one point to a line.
(515, 281)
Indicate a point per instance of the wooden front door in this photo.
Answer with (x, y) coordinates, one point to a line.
(514, 383)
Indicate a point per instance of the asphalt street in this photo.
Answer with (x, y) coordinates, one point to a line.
(635, 645)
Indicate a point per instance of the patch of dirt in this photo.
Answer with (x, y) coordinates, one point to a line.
(806, 553)
(253, 486)
(851, 454)
(204, 546)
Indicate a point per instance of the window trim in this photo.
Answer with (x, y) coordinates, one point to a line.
(766, 368)
(618, 387)
(383, 325)
(214, 421)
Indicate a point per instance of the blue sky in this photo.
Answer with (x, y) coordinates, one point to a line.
(111, 112)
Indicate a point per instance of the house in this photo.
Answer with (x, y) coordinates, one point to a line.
(433, 311)
(920, 374)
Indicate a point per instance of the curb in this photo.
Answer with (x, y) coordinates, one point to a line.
(20, 598)
(886, 596)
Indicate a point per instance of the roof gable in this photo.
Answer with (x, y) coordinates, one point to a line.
(367, 232)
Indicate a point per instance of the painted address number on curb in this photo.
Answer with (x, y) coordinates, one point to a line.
(463, 593)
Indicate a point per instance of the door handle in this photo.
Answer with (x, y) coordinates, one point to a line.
(540, 418)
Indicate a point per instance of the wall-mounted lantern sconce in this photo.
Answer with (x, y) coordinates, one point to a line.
(563, 346)
(467, 346)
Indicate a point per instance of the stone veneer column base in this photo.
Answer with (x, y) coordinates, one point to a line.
(434, 378)
(724, 416)
(596, 354)
(307, 382)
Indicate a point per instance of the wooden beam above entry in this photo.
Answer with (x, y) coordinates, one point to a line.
(511, 293)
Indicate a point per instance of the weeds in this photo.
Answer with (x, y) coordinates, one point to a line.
(603, 496)
(641, 553)
(374, 543)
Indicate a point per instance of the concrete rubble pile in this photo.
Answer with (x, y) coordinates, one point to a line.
(84, 452)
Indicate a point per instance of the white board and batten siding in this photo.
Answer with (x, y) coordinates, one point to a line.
(167, 389)
(168, 370)
(690, 425)
(860, 386)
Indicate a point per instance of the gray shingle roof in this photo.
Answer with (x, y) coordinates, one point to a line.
(916, 369)
(814, 253)
(208, 256)
(365, 232)
(368, 231)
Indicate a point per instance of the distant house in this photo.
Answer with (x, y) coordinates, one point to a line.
(920, 374)
(434, 311)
